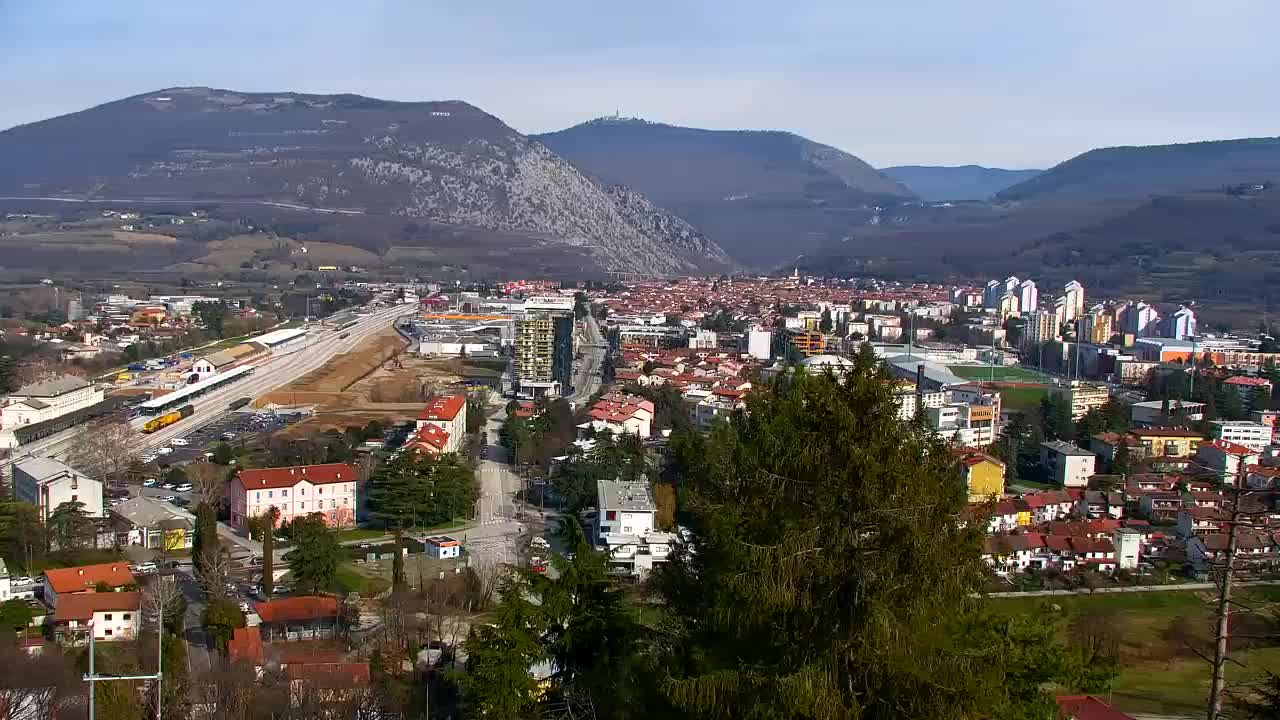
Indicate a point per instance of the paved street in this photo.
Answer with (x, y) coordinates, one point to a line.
(586, 381)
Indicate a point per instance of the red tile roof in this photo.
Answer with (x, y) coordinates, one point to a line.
(1247, 381)
(971, 457)
(445, 408)
(308, 607)
(85, 577)
(431, 438)
(1227, 447)
(334, 675)
(1166, 432)
(245, 645)
(284, 477)
(82, 606)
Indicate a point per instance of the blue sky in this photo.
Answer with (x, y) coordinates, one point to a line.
(1002, 83)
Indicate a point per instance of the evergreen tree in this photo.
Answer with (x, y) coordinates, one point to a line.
(829, 573)
(204, 540)
(825, 323)
(71, 527)
(269, 519)
(1120, 464)
(313, 562)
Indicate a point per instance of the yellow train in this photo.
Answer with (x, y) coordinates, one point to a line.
(167, 419)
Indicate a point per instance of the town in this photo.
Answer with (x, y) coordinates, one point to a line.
(335, 504)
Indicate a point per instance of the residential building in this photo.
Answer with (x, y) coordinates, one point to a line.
(544, 347)
(1028, 296)
(110, 616)
(305, 617)
(1073, 295)
(620, 413)
(449, 413)
(149, 523)
(806, 342)
(1099, 504)
(295, 492)
(442, 547)
(1181, 324)
(1250, 389)
(1082, 397)
(1008, 306)
(1039, 326)
(760, 343)
(48, 483)
(1153, 413)
(430, 439)
(1255, 436)
(1069, 466)
(983, 475)
(43, 401)
(704, 340)
(1095, 326)
(626, 527)
(63, 582)
(1138, 319)
(1224, 458)
(1166, 441)
(1268, 418)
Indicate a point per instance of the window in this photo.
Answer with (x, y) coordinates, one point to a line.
(611, 515)
(269, 494)
(125, 616)
(107, 616)
(107, 632)
(257, 495)
(344, 502)
(333, 504)
(302, 491)
(284, 493)
(320, 491)
(75, 498)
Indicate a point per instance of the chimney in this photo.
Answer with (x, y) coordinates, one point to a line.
(80, 571)
(304, 469)
(290, 471)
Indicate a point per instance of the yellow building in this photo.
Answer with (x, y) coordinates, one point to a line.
(806, 342)
(983, 475)
(1167, 442)
(1082, 397)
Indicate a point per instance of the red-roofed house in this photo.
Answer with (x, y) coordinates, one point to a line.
(1087, 707)
(619, 414)
(85, 579)
(1049, 505)
(295, 492)
(113, 616)
(315, 683)
(1249, 387)
(1224, 458)
(431, 439)
(245, 645)
(298, 618)
(982, 474)
(449, 413)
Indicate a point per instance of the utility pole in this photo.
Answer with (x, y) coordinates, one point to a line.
(93, 677)
(1192, 392)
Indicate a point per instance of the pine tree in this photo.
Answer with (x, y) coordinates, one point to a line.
(1120, 463)
(830, 575)
(269, 519)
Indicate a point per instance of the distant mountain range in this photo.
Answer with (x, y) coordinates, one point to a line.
(963, 182)
(758, 194)
(444, 162)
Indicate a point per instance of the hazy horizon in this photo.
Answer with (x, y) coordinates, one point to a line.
(1000, 85)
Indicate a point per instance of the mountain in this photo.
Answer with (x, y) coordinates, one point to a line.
(759, 194)
(447, 163)
(1143, 171)
(963, 182)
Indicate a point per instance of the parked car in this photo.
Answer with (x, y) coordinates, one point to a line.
(147, 568)
(22, 580)
(148, 458)
(149, 482)
(244, 607)
(165, 450)
(180, 442)
(184, 487)
(168, 498)
(169, 486)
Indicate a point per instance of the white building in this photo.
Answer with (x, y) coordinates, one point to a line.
(626, 529)
(703, 340)
(1028, 296)
(1073, 294)
(443, 547)
(43, 401)
(1068, 465)
(1252, 435)
(449, 413)
(111, 615)
(47, 483)
(1128, 544)
(1151, 413)
(1181, 325)
(760, 343)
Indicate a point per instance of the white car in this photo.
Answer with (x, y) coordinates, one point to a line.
(168, 498)
(165, 450)
(180, 442)
(149, 482)
(184, 487)
(149, 457)
(169, 486)
(147, 568)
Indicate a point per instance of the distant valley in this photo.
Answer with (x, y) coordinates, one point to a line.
(962, 182)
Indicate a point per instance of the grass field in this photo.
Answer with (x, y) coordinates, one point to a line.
(349, 579)
(1181, 686)
(359, 534)
(984, 372)
(1021, 398)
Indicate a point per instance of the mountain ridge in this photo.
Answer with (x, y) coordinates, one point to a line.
(442, 161)
(939, 183)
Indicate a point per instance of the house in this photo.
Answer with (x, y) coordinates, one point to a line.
(112, 616)
(329, 489)
(449, 413)
(1095, 504)
(432, 440)
(1250, 388)
(1161, 505)
(1009, 514)
(1048, 505)
(149, 523)
(1105, 445)
(1223, 458)
(62, 582)
(620, 413)
(626, 529)
(245, 646)
(1087, 707)
(982, 474)
(48, 483)
(1202, 521)
(312, 683)
(1253, 550)
(298, 618)
(442, 547)
(1068, 464)
(1167, 441)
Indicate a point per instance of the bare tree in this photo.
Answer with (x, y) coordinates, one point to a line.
(101, 450)
(162, 597)
(214, 569)
(208, 482)
(40, 686)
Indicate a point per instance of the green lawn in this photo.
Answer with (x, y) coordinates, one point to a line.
(359, 534)
(348, 579)
(1021, 398)
(984, 372)
(1181, 686)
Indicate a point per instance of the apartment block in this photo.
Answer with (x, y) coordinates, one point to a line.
(544, 347)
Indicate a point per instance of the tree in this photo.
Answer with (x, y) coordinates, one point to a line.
(269, 519)
(208, 482)
(71, 527)
(221, 618)
(23, 537)
(830, 574)
(313, 561)
(1120, 463)
(223, 454)
(45, 685)
(664, 498)
(15, 615)
(497, 684)
(102, 451)
(825, 323)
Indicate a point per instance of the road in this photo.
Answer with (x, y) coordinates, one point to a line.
(586, 381)
(492, 539)
(180, 201)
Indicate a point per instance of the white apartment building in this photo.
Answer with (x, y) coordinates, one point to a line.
(449, 413)
(703, 340)
(1252, 435)
(1069, 465)
(626, 528)
(47, 483)
(43, 401)
(1083, 397)
(760, 343)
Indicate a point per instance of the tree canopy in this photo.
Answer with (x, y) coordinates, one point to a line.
(313, 561)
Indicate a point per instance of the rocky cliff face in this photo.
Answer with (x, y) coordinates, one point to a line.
(447, 162)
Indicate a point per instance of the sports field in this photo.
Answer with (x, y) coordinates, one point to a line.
(984, 372)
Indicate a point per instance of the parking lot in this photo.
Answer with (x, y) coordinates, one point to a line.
(187, 448)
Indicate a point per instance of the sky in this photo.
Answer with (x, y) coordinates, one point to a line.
(1012, 83)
